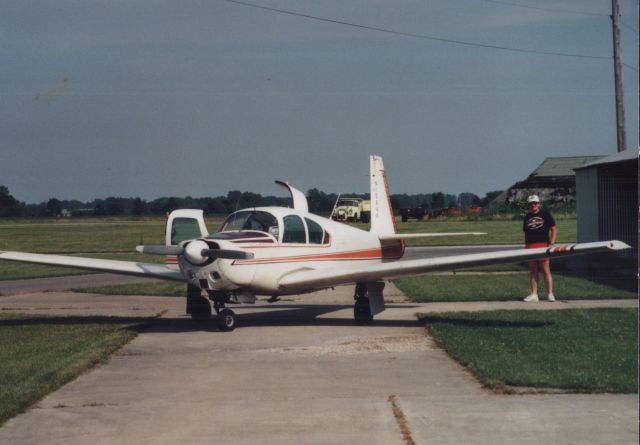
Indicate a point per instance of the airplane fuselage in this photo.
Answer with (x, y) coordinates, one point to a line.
(299, 241)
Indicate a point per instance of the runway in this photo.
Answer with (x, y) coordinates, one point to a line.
(295, 372)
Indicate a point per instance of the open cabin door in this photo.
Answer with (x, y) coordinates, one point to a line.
(185, 224)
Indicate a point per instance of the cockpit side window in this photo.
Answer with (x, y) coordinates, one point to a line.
(294, 231)
(184, 229)
(316, 234)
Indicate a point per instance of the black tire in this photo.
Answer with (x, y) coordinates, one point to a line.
(226, 320)
(362, 312)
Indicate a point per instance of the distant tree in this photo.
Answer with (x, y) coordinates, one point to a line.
(54, 207)
(114, 206)
(139, 207)
(319, 201)
(490, 196)
(9, 206)
(466, 199)
(437, 200)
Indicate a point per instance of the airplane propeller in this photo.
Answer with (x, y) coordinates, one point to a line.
(196, 252)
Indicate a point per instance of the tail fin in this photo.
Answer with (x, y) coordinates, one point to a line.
(382, 222)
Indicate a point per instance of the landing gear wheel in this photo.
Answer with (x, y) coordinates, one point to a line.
(362, 311)
(226, 320)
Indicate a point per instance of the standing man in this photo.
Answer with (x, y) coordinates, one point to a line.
(539, 231)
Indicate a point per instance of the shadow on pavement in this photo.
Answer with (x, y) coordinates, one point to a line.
(282, 315)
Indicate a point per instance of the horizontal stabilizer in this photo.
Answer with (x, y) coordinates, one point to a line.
(396, 236)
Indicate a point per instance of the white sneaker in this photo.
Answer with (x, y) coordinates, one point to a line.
(551, 297)
(531, 297)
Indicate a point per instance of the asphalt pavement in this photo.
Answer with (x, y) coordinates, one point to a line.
(299, 371)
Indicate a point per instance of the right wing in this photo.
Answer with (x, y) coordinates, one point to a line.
(149, 270)
(307, 279)
(396, 236)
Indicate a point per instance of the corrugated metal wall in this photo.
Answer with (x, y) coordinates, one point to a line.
(618, 204)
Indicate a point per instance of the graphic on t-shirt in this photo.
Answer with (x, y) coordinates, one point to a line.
(535, 223)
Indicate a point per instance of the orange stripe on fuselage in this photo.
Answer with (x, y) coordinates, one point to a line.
(390, 252)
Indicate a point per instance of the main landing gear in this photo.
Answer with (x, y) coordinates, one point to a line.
(199, 307)
(362, 309)
(369, 301)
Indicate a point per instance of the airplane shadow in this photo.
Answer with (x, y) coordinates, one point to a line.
(280, 315)
(246, 316)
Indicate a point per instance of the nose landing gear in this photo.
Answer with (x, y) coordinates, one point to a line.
(199, 306)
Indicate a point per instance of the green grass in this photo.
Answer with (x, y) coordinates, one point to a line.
(593, 350)
(117, 237)
(498, 232)
(38, 354)
(113, 238)
(164, 289)
(501, 287)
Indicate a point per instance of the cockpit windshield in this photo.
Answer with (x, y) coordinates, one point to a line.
(251, 220)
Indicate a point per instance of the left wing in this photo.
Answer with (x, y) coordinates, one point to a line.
(322, 278)
(150, 270)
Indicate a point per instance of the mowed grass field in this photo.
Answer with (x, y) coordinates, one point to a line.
(593, 350)
(38, 354)
(116, 238)
(112, 238)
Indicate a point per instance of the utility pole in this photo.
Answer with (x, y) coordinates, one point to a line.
(617, 69)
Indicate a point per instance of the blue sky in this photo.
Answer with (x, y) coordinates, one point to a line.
(159, 98)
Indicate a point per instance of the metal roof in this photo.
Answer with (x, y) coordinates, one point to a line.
(562, 166)
(626, 155)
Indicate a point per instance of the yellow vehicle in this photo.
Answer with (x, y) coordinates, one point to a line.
(351, 210)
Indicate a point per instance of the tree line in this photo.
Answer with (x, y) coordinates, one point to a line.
(319, 202)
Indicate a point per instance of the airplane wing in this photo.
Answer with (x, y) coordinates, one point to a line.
(396, 236)
(323, 278)
(150, 270)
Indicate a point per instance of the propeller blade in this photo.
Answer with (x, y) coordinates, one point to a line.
(227, 254)
(160, 250)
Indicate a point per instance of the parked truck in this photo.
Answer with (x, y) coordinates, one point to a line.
(351, 210)
(412, 212)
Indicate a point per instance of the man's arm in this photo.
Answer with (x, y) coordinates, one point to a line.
(553, 234)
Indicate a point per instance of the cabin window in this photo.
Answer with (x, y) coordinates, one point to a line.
(316, 234)
(293, 230)
(251, 220)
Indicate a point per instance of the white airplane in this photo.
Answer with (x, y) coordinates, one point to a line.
(277, 251)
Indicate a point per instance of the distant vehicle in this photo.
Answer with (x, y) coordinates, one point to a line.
(351, 210)
(412, 212)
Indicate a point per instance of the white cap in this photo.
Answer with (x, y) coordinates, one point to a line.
(533, 198)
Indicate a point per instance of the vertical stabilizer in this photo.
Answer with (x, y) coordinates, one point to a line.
(382, 222)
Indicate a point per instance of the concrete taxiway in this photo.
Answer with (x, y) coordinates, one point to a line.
(298, 371)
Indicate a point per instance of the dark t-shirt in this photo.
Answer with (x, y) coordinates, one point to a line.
(536, 227)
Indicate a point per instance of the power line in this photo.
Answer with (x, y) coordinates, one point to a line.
(414, 35)
(628, 26)
(564, 11)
